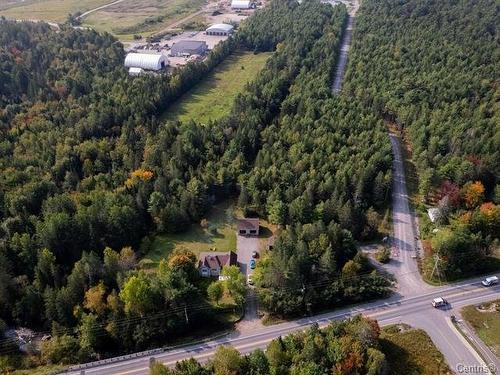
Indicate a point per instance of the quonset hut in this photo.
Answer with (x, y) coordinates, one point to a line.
(220, 29)
(145, 61)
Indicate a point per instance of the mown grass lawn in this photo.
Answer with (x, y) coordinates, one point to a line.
(411, 351)
(486, 323)
(220, 235)
(213, 98)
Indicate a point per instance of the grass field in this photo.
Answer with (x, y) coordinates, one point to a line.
(212, 98)
(47, 10)
(486, 323)
(220, 234)
(143, 17)
(411, 351)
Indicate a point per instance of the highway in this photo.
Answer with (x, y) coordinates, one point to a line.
(416, 311)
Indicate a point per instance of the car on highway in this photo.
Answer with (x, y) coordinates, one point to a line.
(439, 302)
(489, 281)
(253, 263)
(255, 254)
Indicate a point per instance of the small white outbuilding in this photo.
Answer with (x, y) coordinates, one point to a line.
(220, 29)
(242, 4)
(146, 61)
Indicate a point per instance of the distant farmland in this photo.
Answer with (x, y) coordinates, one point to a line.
(47, 10)
(141, 17)
(212, 98)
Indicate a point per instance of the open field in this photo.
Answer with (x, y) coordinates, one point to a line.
(486, 323)
(140, 17)
(411, 351)
(220, 234)
(212, 98)
(47, 10)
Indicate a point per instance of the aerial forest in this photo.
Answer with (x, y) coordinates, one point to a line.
(430, 69)
(88, 172)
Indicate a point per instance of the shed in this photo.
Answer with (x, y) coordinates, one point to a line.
(133, 71)
(146, 61)
(248, 226)
(434, 214)
(242, 4)
(189, 47)
(220, 29)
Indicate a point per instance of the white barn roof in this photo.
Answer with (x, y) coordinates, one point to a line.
(146, 61)
(241, 4)
(221, 27)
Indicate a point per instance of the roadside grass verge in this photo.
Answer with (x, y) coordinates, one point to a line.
(212, 98)
(486, 323)
(220, 234)
(411, 351)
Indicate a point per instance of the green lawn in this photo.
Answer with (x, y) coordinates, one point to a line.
(213, 98)
(220, 235)
(47, 10)
(143, 17)
(411, 351)
(486, 323)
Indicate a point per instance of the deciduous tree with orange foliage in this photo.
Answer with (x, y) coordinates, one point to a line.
(473, 194)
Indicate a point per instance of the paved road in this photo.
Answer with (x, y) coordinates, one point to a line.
(344, 50)
(414, 310)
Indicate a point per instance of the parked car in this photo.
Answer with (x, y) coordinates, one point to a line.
(489, 281)
(250, 280)
(439, 302)
(253, 263)
(255, 254)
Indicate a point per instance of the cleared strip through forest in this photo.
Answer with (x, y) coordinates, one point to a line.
(344, 50)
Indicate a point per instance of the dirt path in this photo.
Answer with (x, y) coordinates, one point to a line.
(84, 14)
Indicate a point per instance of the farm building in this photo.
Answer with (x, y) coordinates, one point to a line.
(220, 29)
(211, 263)
(242, 4)
(248, 227)
(189, 47)
(146, 61)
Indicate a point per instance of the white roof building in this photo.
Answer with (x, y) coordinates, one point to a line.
(241, 4)
(146, 61)
(135, 71)
(220, 29)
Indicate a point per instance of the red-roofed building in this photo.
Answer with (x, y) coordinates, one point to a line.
(211, 263)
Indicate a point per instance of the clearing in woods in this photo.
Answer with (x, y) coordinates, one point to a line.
(213, 97)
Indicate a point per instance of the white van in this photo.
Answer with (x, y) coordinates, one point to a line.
(439, 302)
(489, 281)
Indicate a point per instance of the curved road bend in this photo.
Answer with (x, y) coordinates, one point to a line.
(414, 310)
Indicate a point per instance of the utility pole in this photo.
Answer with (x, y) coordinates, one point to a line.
(436, 269)
(186, 314)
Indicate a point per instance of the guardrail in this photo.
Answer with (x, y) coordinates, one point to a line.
(114, 360)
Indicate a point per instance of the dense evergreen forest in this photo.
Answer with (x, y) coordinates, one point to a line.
(431, 67)
(349, 347)
(87, 172)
